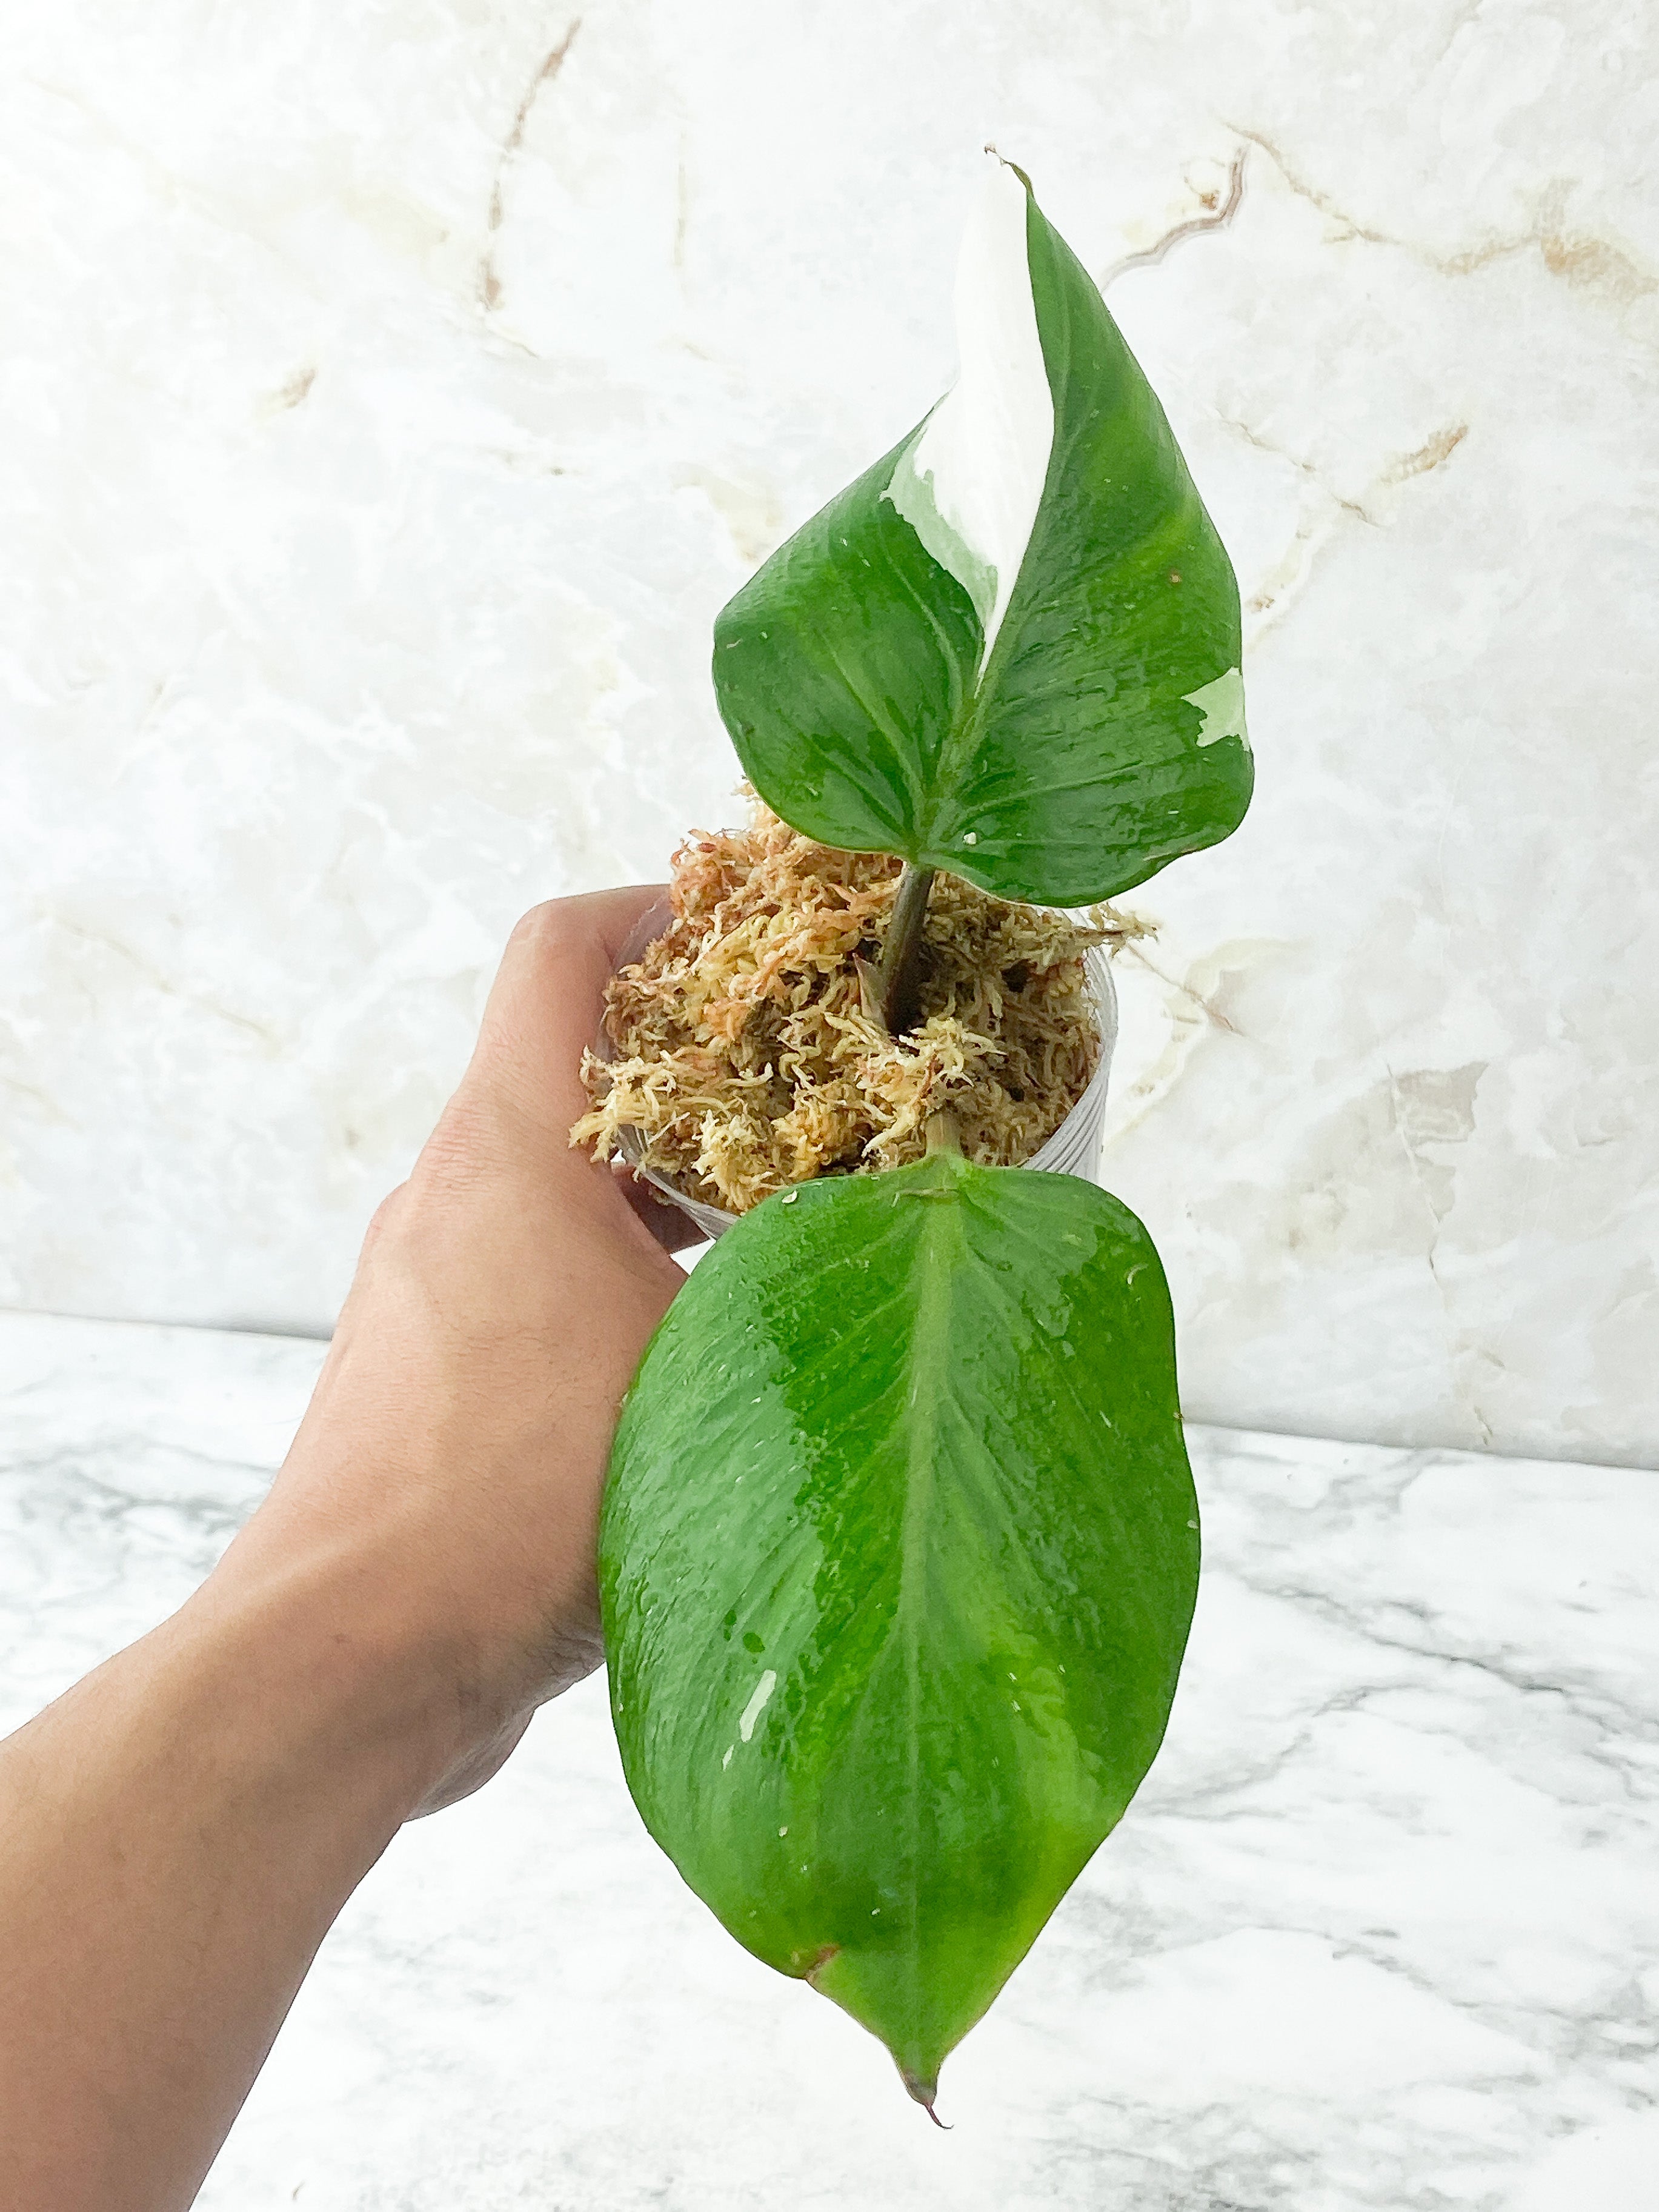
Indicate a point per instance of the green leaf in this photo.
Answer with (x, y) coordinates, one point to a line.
(898, 1554)
(1044, 506)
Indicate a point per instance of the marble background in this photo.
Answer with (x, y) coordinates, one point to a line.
(1380, 1931)
(392, 395)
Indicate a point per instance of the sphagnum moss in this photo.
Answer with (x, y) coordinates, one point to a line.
(749, 1055)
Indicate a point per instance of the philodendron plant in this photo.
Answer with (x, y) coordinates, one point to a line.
(899, 1544)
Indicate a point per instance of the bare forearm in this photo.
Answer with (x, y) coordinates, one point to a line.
(178, 1832)
(176, 1836)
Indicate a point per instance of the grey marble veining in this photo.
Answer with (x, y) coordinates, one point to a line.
(1380, 1931)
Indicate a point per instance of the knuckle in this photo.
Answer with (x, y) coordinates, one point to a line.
(465, 1144)
(386, 1216)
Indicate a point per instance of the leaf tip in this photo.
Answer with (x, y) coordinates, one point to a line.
(998, 156)
(925, 2093)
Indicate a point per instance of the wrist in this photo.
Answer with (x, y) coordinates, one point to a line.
(311, 1654)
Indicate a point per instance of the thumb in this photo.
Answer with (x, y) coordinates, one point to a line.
(545, 1008)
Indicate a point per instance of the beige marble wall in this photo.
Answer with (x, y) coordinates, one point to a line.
(391, 396)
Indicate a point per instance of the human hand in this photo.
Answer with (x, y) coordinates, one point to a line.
(450, 1465)
(184, 1825)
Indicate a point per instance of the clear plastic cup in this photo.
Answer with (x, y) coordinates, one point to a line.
(1073, 1148)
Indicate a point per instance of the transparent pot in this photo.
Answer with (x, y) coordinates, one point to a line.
(1073, 1148)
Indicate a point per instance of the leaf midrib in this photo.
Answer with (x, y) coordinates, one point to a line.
(940, 1235)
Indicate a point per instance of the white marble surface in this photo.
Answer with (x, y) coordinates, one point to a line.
(389, 403)
(1381, 1929)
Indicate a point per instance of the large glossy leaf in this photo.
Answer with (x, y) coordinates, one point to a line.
(1011, 648)
(898, 1555)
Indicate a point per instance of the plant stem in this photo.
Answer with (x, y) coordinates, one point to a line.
(943, 1133)
(900, 972)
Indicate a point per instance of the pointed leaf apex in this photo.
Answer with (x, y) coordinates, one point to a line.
(925, 2093)
(971, 484)
(1014, 165)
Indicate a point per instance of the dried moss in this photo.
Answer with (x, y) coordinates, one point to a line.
(749, 1054)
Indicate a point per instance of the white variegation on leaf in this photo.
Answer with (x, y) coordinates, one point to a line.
(969, 485)
(1000, 651)
(1222, 705)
